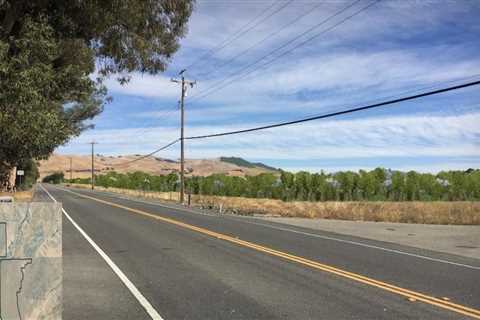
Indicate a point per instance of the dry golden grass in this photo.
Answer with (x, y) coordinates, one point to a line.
(20, 196)
(438, 212)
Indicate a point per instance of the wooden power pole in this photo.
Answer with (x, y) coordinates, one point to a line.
(183, 82)
(71, 170)
(93, 164)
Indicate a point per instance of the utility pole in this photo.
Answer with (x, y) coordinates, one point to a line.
(93, 165)
(183, 82)
(71, 170)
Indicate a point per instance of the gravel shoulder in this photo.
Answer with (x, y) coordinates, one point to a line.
(452, 239)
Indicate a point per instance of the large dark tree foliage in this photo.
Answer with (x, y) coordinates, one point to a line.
(49, 50)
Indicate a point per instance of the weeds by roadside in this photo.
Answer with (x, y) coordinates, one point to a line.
(435, 212)
(20, 196)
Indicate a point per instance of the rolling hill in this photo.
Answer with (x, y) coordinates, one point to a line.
(244, 163)
(81, 165)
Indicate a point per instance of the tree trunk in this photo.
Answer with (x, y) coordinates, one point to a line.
(12, 176)
(7, 173)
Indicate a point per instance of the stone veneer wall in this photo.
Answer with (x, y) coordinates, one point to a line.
(31, 260)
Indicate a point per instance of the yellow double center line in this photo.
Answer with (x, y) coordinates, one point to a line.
(474, 313)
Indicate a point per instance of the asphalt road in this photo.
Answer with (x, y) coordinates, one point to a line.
(186, 265)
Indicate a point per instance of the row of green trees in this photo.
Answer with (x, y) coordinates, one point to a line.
(376, 185)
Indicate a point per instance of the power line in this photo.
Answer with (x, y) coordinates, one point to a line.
(212, 50)
(430, 86)
(238, 73)
(268, 63)
(333, 114)
(271, 35)
(147, 155)
(255, 25)
(162, 114)
(238, 76)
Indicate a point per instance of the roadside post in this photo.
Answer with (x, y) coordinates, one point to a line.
(20, 174)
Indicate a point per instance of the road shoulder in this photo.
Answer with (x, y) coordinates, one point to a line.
(451, 239)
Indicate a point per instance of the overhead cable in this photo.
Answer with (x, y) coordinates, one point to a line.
(237, 75)
(333, 114)
(233, 37)
(147, 155)
(219, 66)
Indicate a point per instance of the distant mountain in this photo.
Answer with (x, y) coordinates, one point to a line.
(247, 164)
(81, 165)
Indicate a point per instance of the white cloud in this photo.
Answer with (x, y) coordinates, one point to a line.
(400, 17)
(347, 73)
(145, 85)
(325, 65)
(342, 78)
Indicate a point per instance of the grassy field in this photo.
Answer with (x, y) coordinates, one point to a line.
(435, 212)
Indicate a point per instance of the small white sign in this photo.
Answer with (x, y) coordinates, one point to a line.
(20, 172)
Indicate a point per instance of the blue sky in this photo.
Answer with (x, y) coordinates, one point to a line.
(393, 48)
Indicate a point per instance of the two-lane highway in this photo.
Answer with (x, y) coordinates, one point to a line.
(127, 259)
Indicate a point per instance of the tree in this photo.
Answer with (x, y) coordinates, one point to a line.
(398, 186)
(288, 181)
(412, 189)
(302, 184)
(31, 174)
(366, 183)
(56, 178)
(347, 185)
(49, 50)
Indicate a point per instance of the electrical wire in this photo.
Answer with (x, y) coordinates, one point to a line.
(269, 36)
(219, 85)
(147, 155)
(228, 40)
(162, 114)
(333, 114)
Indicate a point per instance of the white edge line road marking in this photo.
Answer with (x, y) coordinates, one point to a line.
(419, 256)
(136, 293)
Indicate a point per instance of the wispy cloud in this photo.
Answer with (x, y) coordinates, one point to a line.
(450, 136)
